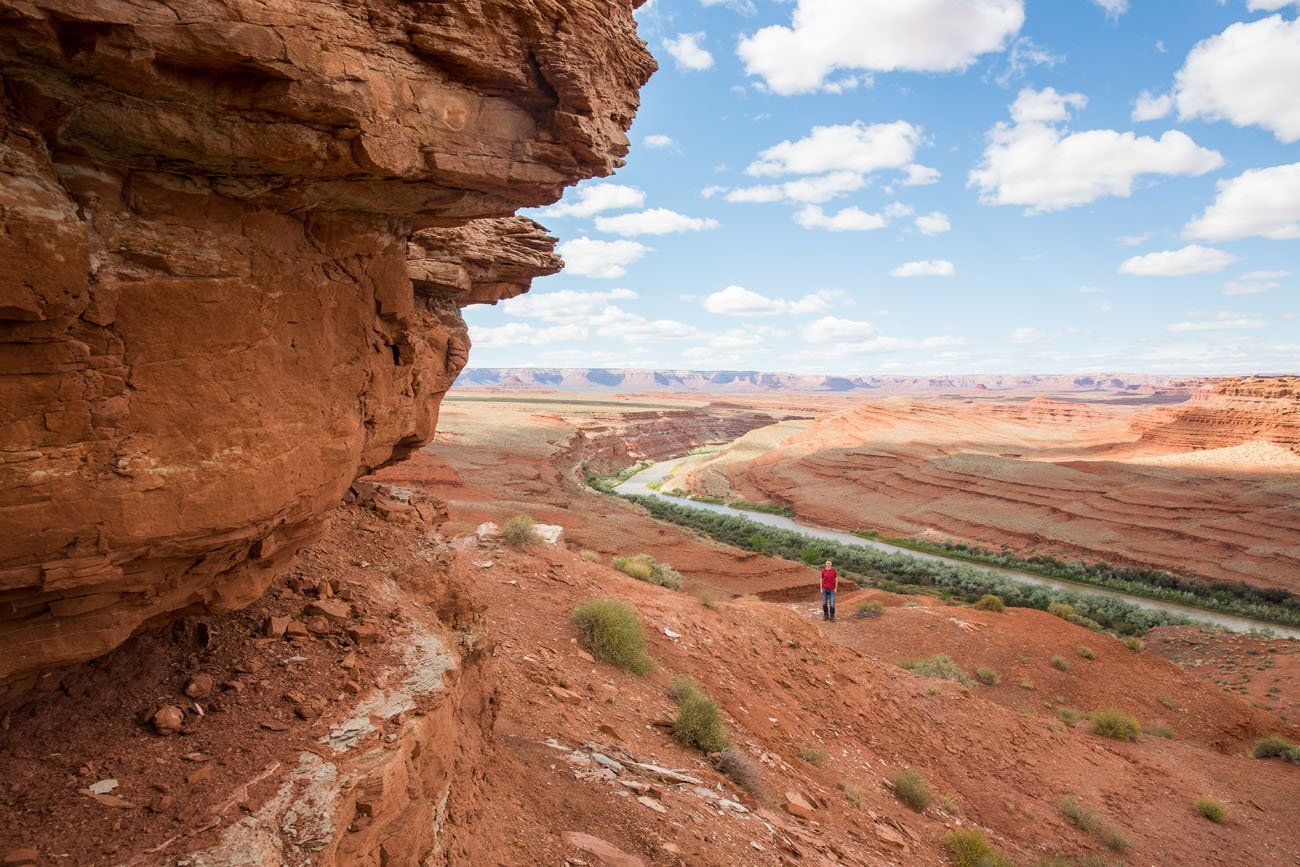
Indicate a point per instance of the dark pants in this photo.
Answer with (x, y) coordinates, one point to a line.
(828, 604)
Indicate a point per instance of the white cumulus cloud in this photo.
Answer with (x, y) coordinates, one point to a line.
(592, 199)
(686, 49)
(927, 268)
(1036, 162)
(1245, 75)
(1262, 203)
(514, 334)
(566, 306)
(852, 219)
(816, 189)
(1224, 320)
(934, 223)
(1114, 8)
(1151, 106)
(877, 35)
(856, 147)
(739, 301)
(603, 259)
(1255, 282)
(1192, 259)
(658, 141)
(655, 221)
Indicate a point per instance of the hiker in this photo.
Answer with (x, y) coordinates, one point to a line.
(830, 583)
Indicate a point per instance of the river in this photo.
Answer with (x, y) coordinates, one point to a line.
(639, 485)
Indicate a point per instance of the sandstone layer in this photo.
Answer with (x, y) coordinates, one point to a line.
(237, 235)
(1208, 489)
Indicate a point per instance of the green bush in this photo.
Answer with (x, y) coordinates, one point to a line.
(1115, 724)
(520, 532)
(1275, 747)
(610, 631)
(969, 848)
(988, 677)
(939, 665)
(869, 609)
(1062, 610)
(699, 721)
(588, 554)
(1135, 644)
(989, 602)
(1086, 652)
(910, 788)
(1085, 818)
(1212, 810)
(643, 567)
(1059, 663)
(814, 756)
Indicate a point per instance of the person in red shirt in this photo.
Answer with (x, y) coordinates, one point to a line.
(830, 583)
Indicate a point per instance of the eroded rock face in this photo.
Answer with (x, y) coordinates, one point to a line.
(236, 238)
(1231, 412)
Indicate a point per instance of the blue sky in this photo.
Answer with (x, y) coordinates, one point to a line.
(845, 186)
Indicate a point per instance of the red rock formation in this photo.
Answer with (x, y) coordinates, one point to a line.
(1232, 412)
(208, 324)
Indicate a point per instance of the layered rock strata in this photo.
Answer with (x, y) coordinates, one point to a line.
(237, 236)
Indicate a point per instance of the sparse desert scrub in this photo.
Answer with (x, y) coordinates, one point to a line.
(854, 794)
(1086, 652)
(1115, 839)
(1115, 724)
(708, 598)
(1275, 747)
(814, 756)
(520, 532)
(643, 567)
(990, 602)
(742, 770)
(1212, 810)
(911, 788)
(699, 720)
(1158, 730)
(988, 677)
(1135, 644)
(969, 848)
(869, 609)
(611, 632)
(1060, 663)
(1087, 819)
(1069, 716)
(588, 554)
(939, 665)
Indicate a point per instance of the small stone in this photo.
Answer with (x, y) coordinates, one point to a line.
(797, 805)
(364, 633)
(585, 656)
(319, 625)
(167, 720)
(349, 661)
(564, 696)
(311, 708)
(195, 757)
(352, 687)
(274, 726)
(324, 589)
(21, 856)
(199, 775)
(334, 609)
(200, 686)
(274, 627)
(161, 804)
(607, 853)
(647, 801)
(103, 787)
(609, 731)
(296, 629)
(249, 666)
(233, 685)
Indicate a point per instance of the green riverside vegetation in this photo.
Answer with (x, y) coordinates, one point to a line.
(901, 573)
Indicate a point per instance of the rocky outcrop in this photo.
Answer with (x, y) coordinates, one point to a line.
(1232, 412)
(236, 239)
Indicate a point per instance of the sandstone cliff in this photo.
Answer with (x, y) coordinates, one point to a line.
(1234, 411)
(236, 238)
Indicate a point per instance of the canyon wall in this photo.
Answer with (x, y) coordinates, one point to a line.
(1232, 412)
(236, 238)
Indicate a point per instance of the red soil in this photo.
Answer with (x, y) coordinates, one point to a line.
(1263, 671)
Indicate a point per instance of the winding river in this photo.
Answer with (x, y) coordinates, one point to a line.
(639, 485)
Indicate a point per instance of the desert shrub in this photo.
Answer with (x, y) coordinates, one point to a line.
(742, 770)
(1212, 810)
(1086, 652)
(1275, 747)
(814, 756)
(1087, 859)
(1026, 683)
(854, 794)
(699, 721)
(643, 567)
(1159, 731)
(588, 554)
(1133, 643)
(751, 597)
(910, 788)
(871, 608)
(1069, 716)
(1085, 818)
(610, 631)
(1115, 724)
(988, 677)
(939, 665)
(520, 532)
(1062, 610)
(969, 848)
(708, 598)
(1059, 663)
(1115, 838)
(989, 602)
